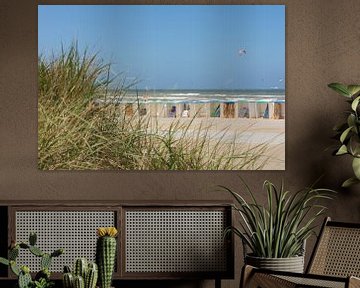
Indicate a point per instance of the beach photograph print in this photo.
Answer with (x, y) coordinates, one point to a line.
(161, 87)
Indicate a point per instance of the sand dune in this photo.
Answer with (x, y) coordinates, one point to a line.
(249, 132)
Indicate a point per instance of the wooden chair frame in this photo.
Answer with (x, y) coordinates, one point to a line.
(255, 277)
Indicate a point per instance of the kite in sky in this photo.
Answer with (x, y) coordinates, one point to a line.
(242, 52)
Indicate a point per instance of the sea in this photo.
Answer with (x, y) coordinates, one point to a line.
(201, 96)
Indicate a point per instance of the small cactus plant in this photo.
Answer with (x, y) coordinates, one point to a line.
(106, 254)
(85, 275)
(42, 278)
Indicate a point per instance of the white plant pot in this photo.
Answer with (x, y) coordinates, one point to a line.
(291, 264)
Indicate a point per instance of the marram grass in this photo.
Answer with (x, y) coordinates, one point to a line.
(76, 134)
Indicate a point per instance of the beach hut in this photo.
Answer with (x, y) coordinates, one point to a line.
(185, 110)
(129, 110)
(214, 109)
(228, 110)
(277, 114)
(253, 111)
(262, 107)
(198, 110)
(171, 110)
(243, 109)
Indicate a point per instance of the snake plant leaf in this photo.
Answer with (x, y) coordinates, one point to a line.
(355, 103)
(356, 167)
(345, 134)
(353, 89)
(342, 150)
(340, 88)
(349, 182)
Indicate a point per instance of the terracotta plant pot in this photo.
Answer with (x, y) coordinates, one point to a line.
(291, 264)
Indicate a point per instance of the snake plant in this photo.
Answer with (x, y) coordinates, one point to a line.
(279, 228)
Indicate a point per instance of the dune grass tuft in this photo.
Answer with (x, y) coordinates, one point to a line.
(77, 131)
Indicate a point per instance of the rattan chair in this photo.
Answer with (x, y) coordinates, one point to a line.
(334, 263)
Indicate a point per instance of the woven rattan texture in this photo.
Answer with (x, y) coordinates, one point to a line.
(75, 231)
(175, 241)
(306, 282)
(338, 253)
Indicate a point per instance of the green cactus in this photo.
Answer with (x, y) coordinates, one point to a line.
(13, 253)
(32, 238)
(24, 245)
(80, 267)
(36, 251)
(4, 261)
(105, 258)
(68, 280)
(57, 252)
(87, 272)
(91, 276)
(24, 280)
(14, 268)
(42, 278)
(79, 282)
(45, 261)
(43, 274)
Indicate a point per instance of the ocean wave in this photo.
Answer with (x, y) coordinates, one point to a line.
(185, 94)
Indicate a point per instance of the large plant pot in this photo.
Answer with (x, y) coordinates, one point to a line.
(291, 264)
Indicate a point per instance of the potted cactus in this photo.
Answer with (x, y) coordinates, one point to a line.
(42, 278)
(106, 254)
(85, 275)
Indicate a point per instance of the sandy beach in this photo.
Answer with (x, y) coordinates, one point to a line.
(245, 132)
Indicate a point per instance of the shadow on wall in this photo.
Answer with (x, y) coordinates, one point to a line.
(310, 154)
(332, 170)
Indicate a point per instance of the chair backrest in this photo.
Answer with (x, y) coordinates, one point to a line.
(337, 251)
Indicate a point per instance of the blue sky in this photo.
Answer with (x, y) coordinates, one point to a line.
(176, 46)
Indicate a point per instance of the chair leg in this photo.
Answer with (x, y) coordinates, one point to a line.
(354, 282)
(217, 283)
(246, 274)
(251, 279)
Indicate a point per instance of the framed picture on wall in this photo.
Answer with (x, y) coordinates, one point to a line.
(161, 87)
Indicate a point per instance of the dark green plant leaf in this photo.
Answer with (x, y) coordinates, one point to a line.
(351, 120)
(345, 134)
(356, 167)
(354, 145)
(353, 89)
(340, 88)
(342, 150)
(349, 182)
(355, 103)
